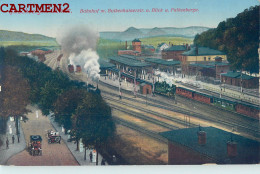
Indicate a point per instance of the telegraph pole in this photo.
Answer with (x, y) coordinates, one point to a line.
(119, 80)
(135, 83)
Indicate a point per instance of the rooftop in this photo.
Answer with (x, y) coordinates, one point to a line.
(136, 40)
(176, 48)
(161, 44)
(163, 62)
(216, 144)
(129, 61)
(202, 51)
(105, 64)
(237, 75)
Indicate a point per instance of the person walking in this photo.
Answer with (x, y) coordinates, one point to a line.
(13, 139)
(90, 156)
(7, 143)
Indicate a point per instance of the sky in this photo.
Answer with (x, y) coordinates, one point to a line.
(209, 14)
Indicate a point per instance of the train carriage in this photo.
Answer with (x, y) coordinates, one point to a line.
(184, 92)
(225, 104)
(202, 97)
(248, 110)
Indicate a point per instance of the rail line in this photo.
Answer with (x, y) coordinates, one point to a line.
(151, 134)
(230, 123)
(176, 120)
(143, 117)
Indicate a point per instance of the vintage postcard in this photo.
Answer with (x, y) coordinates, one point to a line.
(123, 83)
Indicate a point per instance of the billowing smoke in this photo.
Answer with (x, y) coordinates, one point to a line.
(79, 43)
(165, 77)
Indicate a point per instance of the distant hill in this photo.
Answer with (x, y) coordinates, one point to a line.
(6, 35)
(132, 32)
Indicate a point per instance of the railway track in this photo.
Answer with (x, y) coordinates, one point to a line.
(230, 124)
(247, 129)
(176, 120)
(143, 117)
(151, 134)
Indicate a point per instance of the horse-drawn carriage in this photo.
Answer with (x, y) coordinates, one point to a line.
(53, 137)
(35, 145)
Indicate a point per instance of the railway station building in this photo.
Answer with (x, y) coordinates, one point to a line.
(202, 145)
(203, 55)
(105, 66)
(169, 66)
(132, 66)
(174, 52)
(238, 79)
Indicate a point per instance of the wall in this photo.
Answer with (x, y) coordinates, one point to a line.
(175, 55)
(178, 154)
(201, 58)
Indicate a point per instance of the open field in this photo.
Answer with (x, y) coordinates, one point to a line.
(173, 40)
(28, 43)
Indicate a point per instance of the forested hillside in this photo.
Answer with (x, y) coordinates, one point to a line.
(238, 37)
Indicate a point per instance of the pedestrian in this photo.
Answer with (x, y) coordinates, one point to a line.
(103, 162)
(13, 139)
(90, 156)
(7, 143)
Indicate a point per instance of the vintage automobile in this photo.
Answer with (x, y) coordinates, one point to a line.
(53, 137)
(35, 145)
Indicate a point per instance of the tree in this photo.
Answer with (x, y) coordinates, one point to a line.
(14, 94)
(93, 122)
(238, 37)
(66, 105)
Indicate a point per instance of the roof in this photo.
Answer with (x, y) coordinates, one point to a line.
(136, 40)
(43, 49)
(202, 65)
(202, 51)
(163, 62)
(237, 75)
(35, 138)
(105, 64)
(176, 48)
(216, 144)
(161, 44)
(149, 46)
(129, 62)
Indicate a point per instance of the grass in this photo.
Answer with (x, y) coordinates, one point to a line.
(28, 43)
(105, 48)
(173, 40)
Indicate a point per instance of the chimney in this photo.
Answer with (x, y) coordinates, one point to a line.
(126, 45)
(231, 148)
(201, 137)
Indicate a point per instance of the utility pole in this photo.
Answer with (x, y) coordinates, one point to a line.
(119, 80)
(241, 83)
(153, 86)
(135, 83)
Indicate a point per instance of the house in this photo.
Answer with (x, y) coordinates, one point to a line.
(136, 43)
(149, 48)
(201, 55)
(162, 46)
(238, 78)
(174, 52)
(202, 145)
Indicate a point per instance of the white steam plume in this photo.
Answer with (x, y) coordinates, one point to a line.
(79, 43)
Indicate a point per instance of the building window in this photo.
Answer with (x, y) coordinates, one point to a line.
(204, 58)
(209, 58)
